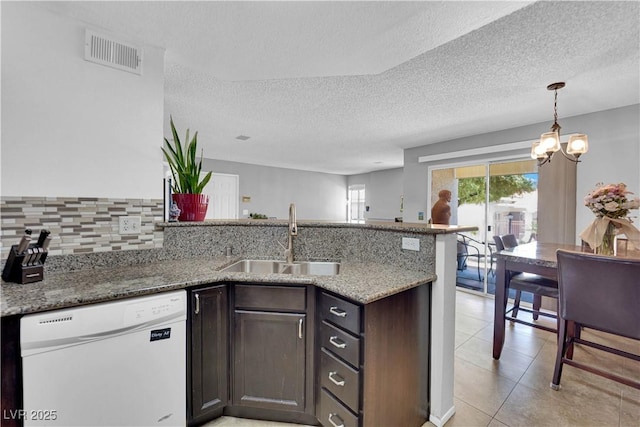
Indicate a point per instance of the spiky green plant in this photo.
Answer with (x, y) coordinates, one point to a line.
(185, 168)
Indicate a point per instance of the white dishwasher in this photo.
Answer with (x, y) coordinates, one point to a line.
(119, 363)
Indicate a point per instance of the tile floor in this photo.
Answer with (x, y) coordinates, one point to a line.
(514, 391)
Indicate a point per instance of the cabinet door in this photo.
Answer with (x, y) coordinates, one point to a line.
(269, 360)
(209, 349)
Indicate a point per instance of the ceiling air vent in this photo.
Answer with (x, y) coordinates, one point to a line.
(113, 53)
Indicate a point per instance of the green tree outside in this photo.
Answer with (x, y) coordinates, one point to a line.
(472, 190)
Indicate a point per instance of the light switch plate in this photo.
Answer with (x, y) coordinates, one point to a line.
(130, 224)
(410, 244)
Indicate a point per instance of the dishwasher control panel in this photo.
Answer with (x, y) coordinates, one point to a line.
(142, 311)
(72, 326)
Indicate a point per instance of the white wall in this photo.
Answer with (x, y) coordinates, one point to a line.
(383, 190)
(320, 196)
(614, 156)
(71, 127)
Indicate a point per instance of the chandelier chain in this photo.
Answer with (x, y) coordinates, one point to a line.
(555, 107)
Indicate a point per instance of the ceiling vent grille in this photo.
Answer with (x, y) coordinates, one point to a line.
(112, 53)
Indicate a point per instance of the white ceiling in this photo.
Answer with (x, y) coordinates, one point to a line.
(344, 87)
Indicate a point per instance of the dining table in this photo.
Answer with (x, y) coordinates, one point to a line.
(535, 257)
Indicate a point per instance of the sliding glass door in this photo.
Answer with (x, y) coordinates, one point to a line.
(496, 197)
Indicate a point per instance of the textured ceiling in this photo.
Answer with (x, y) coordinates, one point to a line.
(344, 87)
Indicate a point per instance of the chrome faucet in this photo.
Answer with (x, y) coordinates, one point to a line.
(293, 231)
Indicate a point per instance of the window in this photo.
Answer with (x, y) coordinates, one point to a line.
(356, 203)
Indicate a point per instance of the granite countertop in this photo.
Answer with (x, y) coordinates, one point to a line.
(415, 227)
(363, 282)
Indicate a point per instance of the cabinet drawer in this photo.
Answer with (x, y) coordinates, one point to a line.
(271, 297)
(341, 343)
(340, 379)
(333, 413)
(340, 312)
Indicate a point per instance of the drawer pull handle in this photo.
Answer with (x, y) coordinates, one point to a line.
(300, 328)
(337, 312)
(333, 423)
(197, 310)
(337, 382)
(337, 342)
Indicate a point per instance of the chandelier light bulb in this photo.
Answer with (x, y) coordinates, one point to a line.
(550, 141)
(538, 151)
(577, 145)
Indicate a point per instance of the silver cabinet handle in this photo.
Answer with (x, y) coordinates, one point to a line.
(300, 328)
(339, 382)
(337, 342)
(337, 312)
(197, 310)
(333, 423)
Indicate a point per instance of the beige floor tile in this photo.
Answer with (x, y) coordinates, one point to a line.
(469, 325)
(483, 389)
(461, 338)
(516, 340)
(531, 407)
(511, 365)
(526, 329)
(630, 408)
(578, 387)
(467, 416)
(475, 306)
(496, 423)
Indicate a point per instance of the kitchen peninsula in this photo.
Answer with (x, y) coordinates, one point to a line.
(388, 286)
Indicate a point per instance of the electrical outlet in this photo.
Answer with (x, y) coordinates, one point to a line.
(130, 224)
(410, 244)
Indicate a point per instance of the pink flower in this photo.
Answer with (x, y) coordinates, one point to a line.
(611, 201)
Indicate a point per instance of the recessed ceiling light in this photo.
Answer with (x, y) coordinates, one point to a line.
(242, 137)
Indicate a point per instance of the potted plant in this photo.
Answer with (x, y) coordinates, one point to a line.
(187, 185)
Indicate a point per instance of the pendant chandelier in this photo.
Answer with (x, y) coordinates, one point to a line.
(549, 142)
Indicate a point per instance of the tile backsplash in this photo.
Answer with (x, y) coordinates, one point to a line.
(80, 225)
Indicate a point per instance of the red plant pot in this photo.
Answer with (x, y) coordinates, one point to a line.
(193, 207)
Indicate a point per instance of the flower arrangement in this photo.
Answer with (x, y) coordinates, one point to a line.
(611, 204)
(611, 201)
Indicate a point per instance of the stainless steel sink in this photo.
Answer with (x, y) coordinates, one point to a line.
(312, 268)
(254, 266)
(261, 266)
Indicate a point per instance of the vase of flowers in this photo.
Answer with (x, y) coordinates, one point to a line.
(611, 204)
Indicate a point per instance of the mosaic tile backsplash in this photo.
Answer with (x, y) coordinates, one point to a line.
(80, 225)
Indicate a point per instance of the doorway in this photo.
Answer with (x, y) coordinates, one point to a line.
(498, 197)
(356, 203)
(223, 191)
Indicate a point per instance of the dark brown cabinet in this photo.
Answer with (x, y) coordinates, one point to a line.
(269, 363)
(207, 353)
(253, 353)
(340, 361)
(273, 348)
(374, 360)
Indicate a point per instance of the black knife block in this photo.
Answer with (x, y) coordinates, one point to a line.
(14, 271)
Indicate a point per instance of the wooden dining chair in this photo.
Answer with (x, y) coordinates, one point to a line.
(597, 292)
(535, 284)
